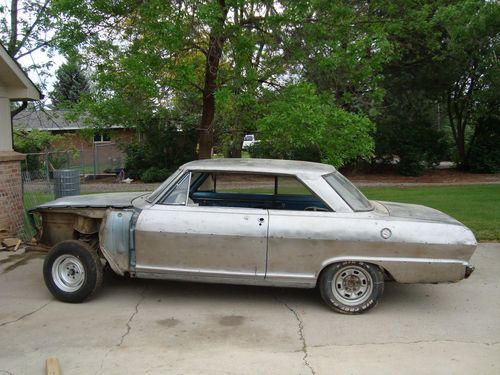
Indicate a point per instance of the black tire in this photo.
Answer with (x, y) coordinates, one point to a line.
(72, 271)
(351, 287)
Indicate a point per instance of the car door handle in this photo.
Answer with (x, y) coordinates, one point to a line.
(261, 220)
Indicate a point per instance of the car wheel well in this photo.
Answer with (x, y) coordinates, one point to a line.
(385, 272)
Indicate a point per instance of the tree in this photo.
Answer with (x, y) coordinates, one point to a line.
(445, 72)
(71, 84)
(299, 120)
(25, 27)
(471, 67)
(156, 54)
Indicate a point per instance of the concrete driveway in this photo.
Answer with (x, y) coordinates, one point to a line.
(157, 327)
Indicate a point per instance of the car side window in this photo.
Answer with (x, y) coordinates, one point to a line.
(289, 185)
(253, 190)
(179, 194)
(244, 183)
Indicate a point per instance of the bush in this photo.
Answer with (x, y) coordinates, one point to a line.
(266, 150)
(299, 123)
(415, 140)
(484, 156)
(155, 174)
(162, 149)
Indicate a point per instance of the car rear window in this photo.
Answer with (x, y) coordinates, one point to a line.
(351, 195)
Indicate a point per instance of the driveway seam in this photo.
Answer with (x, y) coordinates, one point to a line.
(409, 343)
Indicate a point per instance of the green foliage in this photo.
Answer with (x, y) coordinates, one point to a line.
(408, 131)
(484, 156)
(34, 142)
(297, 121)
(162, 149)
(155, 174)
(155, 54)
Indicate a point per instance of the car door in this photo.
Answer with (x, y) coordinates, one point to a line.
(177, 238)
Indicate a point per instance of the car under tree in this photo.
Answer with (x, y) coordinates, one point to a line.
(254, 222)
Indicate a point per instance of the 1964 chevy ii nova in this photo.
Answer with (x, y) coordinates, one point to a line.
(253, 221)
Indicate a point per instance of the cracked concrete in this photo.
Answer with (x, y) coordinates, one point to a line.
(136, 311)
(24, 315)
(127, 332)
(300, 327)
(157, 327)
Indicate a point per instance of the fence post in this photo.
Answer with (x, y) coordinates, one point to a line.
(46, 157)
(82, 161)
(94, 149)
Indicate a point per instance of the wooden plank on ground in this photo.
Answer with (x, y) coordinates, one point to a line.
(52, 366)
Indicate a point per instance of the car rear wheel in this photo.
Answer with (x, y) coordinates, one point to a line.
(72, 271)
(351, 287)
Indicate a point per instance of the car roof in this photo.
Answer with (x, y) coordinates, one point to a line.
(274, 166)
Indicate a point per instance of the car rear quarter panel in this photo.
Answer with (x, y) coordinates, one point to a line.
(301, 244)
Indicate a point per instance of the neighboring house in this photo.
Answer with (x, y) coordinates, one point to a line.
(101, 149)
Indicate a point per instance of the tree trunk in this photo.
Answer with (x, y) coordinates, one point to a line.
(11, 47)
(214, 54)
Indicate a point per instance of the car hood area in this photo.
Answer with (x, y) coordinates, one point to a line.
(417, 212)
(116, 200)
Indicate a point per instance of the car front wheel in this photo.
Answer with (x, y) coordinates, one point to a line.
(72, 271)
(351, 287)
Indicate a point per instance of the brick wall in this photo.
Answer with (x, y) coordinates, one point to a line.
(11, 197)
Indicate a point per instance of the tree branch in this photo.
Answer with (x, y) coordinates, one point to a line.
(19, 109)
(41, 13)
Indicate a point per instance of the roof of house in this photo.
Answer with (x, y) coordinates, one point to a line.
(50, 120)
(14, 82)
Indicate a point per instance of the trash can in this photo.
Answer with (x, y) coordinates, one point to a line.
(66, 182)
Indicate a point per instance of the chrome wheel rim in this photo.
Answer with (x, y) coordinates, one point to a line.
(68, 273)
(352, 285)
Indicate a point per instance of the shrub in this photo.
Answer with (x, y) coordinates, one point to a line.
(415, 140)
(299, 123)
(484, 156)
(163, 148)
(155, 174)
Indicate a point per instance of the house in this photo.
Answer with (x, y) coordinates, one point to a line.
(14, 86)
(99, 149)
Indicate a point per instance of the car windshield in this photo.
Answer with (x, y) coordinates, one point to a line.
(162, 187)
(353, 197)
(248, 138)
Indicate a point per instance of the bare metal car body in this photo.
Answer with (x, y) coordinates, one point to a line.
(145, 236)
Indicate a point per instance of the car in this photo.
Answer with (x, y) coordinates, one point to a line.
(256, 222)
(249, 141)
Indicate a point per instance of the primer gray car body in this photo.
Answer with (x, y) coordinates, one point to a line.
(156, 236)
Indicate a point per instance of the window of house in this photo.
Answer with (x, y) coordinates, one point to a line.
(101, 137)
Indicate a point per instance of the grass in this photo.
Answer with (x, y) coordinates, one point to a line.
(477, 206)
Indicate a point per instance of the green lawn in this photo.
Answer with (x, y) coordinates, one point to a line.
(477, 206)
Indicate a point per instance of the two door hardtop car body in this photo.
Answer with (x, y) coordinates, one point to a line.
(257, 222)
